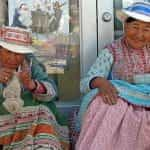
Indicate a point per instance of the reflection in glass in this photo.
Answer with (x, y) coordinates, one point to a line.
(55, 27)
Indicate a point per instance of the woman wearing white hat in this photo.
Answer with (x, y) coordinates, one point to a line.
(118, 99)
(28, 116)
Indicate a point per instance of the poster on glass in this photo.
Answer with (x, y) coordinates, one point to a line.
(49, 22)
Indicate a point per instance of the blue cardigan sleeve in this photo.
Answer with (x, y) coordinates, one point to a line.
(100, 68)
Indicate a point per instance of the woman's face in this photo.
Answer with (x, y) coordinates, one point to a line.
(9, 59)
(137, 34)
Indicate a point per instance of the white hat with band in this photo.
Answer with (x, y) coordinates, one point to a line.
(138, 10)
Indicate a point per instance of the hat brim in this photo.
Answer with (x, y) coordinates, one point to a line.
(17, 48)
(137, 16)
(122, 15)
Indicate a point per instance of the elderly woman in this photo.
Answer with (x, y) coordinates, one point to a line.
(28, 116)
(118, 116)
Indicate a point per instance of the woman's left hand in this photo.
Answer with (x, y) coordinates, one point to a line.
(26, 80)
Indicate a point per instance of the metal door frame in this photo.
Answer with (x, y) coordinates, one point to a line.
(88, 34)
(95, 33)
(105, 23)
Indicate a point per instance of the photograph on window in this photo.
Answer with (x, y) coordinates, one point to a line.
(48, 20)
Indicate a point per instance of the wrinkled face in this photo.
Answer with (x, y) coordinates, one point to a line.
(9, 59)
(137, 34)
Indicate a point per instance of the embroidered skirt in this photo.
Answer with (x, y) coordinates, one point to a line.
(35, 127)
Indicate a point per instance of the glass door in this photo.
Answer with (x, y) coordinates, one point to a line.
(56, 28)
(68, 82)
(65, 34)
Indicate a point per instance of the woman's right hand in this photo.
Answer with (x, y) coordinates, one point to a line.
(108, 92)
(5, 75)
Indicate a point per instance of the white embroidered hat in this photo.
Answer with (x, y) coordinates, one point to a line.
(138, 10)
(16, 39)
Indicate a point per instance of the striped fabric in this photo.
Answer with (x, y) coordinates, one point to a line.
(140, 8)
(33, 128)
(16, 36)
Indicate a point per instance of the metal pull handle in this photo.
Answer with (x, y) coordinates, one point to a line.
(107, 17)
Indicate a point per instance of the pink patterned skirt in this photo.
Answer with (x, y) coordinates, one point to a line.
(115, 127)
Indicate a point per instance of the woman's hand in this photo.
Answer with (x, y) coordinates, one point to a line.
(107, 90)
(5, 75)
(26, 80)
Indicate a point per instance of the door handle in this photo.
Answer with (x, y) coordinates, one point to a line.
(107, 17)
